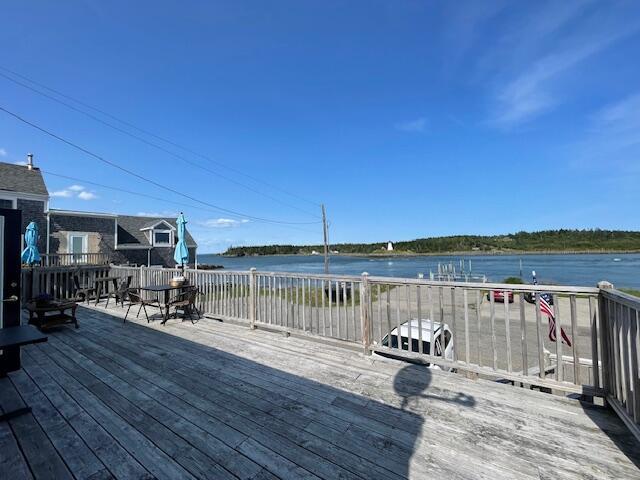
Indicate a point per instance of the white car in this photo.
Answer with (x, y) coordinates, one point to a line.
(415, 336)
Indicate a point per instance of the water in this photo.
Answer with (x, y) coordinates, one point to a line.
(623, 270)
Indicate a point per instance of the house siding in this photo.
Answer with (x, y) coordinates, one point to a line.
(101, 233)
(33, 211)
(159, 256)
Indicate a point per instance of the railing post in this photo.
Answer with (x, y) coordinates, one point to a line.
(365, 314)
(605, 323)
(253, 293)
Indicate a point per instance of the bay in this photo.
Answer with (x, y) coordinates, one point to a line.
(623, 270)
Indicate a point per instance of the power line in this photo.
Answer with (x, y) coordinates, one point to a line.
(154, 145)
(144, 195)
(142, 177)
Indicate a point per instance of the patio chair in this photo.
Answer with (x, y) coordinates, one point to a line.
(84, 291)
(135, 298)
(120, 294)
(186, 301)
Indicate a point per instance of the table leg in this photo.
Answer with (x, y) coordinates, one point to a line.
(166, 306)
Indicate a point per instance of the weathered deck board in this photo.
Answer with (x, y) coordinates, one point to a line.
(214, 400)
(40, 454)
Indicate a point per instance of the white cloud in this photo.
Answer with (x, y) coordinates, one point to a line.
(536, 83)
(223, 223)
(62, 193)
(3, 152)
(76, 191)
(613, 137)
(84, 195)
(166, 213)
(417, 125)
(20, 162)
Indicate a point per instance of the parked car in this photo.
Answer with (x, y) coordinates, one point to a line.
(391, 340)
(530, 297)
(498, 296)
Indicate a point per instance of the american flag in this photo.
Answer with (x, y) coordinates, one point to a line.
(548, 311)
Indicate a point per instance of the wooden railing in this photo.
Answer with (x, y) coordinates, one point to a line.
(620, 345)
(72, 259)
(488, 336)
(58, 281)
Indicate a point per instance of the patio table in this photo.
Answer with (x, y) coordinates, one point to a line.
(165, 289)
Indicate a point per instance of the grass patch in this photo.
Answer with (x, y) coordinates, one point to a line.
(631, 291)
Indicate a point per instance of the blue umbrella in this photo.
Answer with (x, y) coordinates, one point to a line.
(181, 255)
(30, 255)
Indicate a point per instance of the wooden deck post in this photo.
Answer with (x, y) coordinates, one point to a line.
(253, 297)
(365, 318)
(607, 374)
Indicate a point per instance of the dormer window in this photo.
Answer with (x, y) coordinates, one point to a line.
(160, 234)
(162, 238)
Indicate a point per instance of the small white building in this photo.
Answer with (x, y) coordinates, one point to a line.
(389, 247)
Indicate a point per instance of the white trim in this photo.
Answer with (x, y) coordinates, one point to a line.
(48, 231)
(85, 241)
(170, 243)
(10, 194)
(153, 227)
(13, 199)
(73, 213)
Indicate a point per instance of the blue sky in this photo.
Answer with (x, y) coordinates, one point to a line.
(406, 118)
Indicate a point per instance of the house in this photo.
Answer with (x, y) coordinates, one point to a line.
(22, 187)
(121, 239)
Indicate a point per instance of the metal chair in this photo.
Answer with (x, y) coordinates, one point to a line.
(135, 298)
(186, 301)
(120, 294)
(84, 290)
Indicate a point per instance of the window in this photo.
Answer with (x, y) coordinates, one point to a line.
(77, 246)
(414, 343)
(6, 203)
(162, 238)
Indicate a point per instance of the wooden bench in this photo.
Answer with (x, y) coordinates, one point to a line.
(52, 314)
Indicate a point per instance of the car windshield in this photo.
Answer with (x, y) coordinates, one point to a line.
(415, 343)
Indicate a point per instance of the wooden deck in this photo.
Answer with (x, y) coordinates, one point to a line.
(218, 401)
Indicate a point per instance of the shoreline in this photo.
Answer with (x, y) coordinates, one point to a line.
(442, 254)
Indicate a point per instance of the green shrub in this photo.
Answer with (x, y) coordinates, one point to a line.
(513, 280)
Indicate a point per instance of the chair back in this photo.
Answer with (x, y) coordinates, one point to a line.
(124, 284)
(134, 295)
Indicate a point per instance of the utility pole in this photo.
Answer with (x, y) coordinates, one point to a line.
(325, 231)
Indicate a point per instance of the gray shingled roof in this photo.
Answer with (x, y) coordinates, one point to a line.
(129, 229)
(18, 178)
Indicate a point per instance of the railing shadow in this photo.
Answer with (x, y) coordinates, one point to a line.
(608, 422)
(324, 430)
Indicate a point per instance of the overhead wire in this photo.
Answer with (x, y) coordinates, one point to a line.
(152, 144)
(143, 178)
(144, 195)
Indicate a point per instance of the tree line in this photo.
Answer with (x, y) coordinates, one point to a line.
(543, 241)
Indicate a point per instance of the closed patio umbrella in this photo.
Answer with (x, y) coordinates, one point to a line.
(30, 255)
(181, 255)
